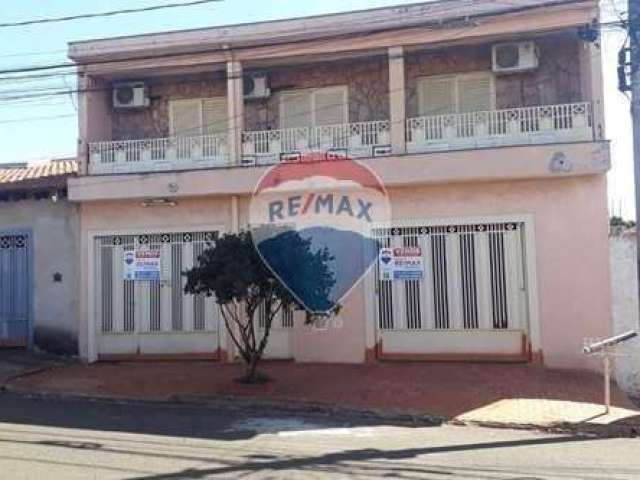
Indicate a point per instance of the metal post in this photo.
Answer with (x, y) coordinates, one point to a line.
(634, 36)
(607, 382)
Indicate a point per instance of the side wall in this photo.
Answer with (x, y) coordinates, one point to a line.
(570, 230)
(55, 228)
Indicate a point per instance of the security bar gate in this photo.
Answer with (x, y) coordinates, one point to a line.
(153, 316)
(15, 289)
(471, 300)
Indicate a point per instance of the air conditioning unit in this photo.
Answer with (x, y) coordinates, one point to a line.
(256, 86)
(514, 57)
(130, 95)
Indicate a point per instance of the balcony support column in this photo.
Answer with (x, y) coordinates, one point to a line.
(591, 82)
(397, 101)
(235, 104)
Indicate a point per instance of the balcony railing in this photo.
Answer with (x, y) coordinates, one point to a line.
(570, 122)
(514, 126)
(358, 140)
(159, 154)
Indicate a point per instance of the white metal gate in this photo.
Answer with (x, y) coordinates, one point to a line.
(153, 317)
(280, 341)
(15, 288)
(472, 300)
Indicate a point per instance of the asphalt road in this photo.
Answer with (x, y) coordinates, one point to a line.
(61, 439)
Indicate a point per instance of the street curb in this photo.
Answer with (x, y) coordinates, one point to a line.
(27, 373)
(586, 429)
(239, 403)
(284, 406)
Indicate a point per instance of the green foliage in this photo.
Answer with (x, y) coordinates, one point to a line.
(233, 271)
(620, 222)
(245, 288)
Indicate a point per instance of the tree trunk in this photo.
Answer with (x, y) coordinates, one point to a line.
(252, 369)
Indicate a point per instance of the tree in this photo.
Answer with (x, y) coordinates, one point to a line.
(620, 222)
(244, 287)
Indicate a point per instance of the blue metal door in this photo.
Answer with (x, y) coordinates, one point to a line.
(15, 288)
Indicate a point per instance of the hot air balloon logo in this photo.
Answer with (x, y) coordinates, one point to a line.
(318, 213)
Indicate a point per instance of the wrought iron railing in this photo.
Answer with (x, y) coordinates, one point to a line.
(357, 140)
(513, 126)
(153, 154)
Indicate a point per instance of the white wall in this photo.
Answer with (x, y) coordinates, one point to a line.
(54, 228)
(625, 310)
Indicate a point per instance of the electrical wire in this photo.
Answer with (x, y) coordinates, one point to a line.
(51, 92)
(104, 14)
(436, 25)
(33, 119)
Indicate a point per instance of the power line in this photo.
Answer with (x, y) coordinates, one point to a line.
(75, 65)
(372, 30)
(104, 14)
(34, 119)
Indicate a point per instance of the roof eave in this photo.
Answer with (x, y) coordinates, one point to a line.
(279, 32)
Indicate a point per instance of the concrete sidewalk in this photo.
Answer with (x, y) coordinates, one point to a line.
(487, 394)
(16, 362)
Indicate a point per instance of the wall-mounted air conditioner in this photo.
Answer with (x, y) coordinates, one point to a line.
(514, 57)
(256, 86)
(130, 95)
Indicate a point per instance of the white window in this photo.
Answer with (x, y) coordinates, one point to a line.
(314, 107)
(201, 116)
(468, 92)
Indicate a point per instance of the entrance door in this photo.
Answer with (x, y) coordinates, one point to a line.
(153, 317)
(472, 300)
(15, 288)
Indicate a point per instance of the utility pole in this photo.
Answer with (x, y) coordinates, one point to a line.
(634, 38)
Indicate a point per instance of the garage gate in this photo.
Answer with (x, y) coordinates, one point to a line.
(15, 288)
(472, 300)
(154, 317)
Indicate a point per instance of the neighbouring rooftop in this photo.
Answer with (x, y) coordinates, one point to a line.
(20, 173)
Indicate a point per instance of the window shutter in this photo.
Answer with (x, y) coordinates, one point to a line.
(186, 118)
(215, 116)
(474, 93)
(330, 106)
(295, 109)
(437, 96)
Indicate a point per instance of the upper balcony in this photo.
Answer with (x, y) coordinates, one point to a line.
(411, 93)
(536, 125)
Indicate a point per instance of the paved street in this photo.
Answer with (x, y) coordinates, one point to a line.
(95, 440)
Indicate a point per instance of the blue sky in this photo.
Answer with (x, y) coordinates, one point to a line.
(25, 138)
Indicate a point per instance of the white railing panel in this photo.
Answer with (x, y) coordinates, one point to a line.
(356, 140)
(515, 126)
(570, 122)
(158, 154)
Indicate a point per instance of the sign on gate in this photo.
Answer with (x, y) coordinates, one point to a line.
(142, 265)
(385, 260)
(402, 263)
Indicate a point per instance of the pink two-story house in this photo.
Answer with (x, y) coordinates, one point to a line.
(483, 119)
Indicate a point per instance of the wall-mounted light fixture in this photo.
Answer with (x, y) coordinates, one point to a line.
(159, 202)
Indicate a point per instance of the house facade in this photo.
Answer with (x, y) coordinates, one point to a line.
(483, 121)
(39, 248)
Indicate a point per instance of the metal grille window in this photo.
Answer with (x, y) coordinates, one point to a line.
(469, 280)
(473, 280)
(128, 306)
(385, 294)
(284, 318)
(412, 292)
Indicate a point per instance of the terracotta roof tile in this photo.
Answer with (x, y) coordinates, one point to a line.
(53, 168)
